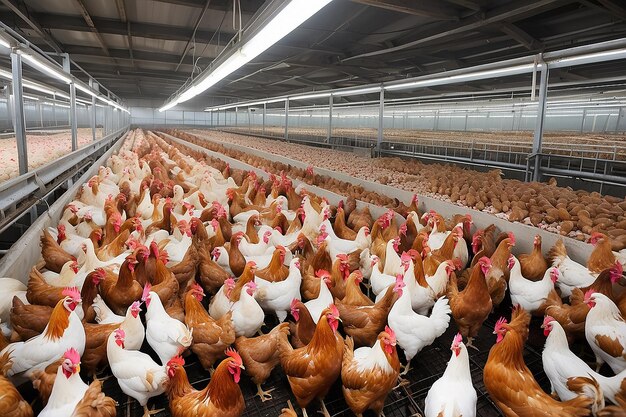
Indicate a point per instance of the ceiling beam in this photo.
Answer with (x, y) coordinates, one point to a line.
(79, 53)
(248, 7)
(416, 8)
(195, 28)
(116, 27)
(509, 12)
(20, 10)
(614, 8)
(87, 17)
(521, 36)
(468, 4)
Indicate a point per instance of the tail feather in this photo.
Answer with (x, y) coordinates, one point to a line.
(440, 316)
(588, 387)
(557, 253)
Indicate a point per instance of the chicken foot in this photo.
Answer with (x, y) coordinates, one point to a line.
(148, 413)
(406, 369)
(470, 343)
(264, 395)
(324, 410)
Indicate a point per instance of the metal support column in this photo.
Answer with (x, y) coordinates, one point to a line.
(211, 118)
(249, 120)
(264, 111)
(18, 113)
(381, 115)
(287, 119)
(330, 118)
(94, 86)
(541, 114)
(54, 108)
(236, 117)
(73, 121)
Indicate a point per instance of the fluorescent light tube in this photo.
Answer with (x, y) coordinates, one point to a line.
(310, 96)
(289, 18)
(357, 91)
(36, 63)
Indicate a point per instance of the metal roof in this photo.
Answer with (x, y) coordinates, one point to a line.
(147, 49)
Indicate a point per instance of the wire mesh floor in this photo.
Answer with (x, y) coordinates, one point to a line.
(407, 400)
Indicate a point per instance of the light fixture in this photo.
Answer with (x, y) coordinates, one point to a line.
(366, 90)
(479, 75)
(42, 66)
(289, 18)
(310, 96)
(594, 57)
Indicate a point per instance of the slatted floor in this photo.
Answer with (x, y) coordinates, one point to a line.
(407, 400)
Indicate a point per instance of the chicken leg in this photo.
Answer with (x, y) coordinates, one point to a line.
(324, 410)
(406, 369)
(470, 343)
(264, 395)
(148, 413)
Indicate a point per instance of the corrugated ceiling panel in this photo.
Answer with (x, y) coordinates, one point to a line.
(149, 11)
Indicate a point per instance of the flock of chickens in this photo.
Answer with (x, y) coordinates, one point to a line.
(165, 253)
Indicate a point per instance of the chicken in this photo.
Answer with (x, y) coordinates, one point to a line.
(471, 307)
(354, 296)
(70, 396)
(369, 374)
(98, 334)
(360, 218)
(29, 320)
(260, 355)
(12, 404)
(562, 366)
(456, 379)
(137, 374)
(167, 336)
(533, 296)
(276, 296)
(64, 330)
(52, 253)
(605, 331)
(364, 323)
(512, 386)
(162, 281)
(221, 397)
(312, 369)
(533, 264)
(247, 315)
(10, 288)
(340, 228)
(602, 256)
(320, 261)
(210, 337)
(324, 299)
(303, 329)
(121, 291)
(414, 331)
(39, 292)
(275, 271)
(498, 275)
(572, 274)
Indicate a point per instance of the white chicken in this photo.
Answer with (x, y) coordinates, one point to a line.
(10, 288)
(247, 315)
(393, 263)
(68, 388)
(277, 296)
(532, 296)
(137, 374)
(221, 303)
(254, 249)
(63, 331)
(324, 298)
(572, 274)
(167, 336)
(453, 394)
(104, 315)
(378, 280)
(605, 331)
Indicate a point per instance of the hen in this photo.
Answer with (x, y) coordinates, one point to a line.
(369, 374)
(312, 369)
(533, 264)
(276, 296)
(605, 330)
(12, 404)
(512, 385)
(260, 355)
(303, 329)
(221, 397)
(533, 296)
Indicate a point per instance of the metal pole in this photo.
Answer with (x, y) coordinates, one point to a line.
(54, 108)
(236, 117)
(38, 105)
(330, 118)
(541, 114)
(264, 110)
(73, 121)
(287, 119)
(249, 121)
(381, 114)
(18, 112)
(94, 86)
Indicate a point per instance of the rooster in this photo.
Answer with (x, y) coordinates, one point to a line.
(512, 385)
(64, 330)
(456, 379)
(221, 397)
(260, 355)
(369, 374)
(70, 396)
(312, 369)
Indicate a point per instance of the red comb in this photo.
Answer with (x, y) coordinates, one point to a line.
(71, 292)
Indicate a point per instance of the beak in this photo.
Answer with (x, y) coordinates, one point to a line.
(494, 332)
(242, 367)
(78, 368)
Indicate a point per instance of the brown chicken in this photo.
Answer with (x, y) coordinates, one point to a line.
(364, 323)
(260, 355)
(43, 380)
(512, 386)
(114, 248)
(602, 256)
(359, 218)
(276, 270)
(120, 292)
(354, 296)
(210, 337)
(499, 273)
(163, 282)
(303, 329)
(38, 291)
(236, 260)
(340, 227)
(312, 369)
(339, 274)
(221, 397)
(165, 223)
(11, 402)
(320, 261)
(471, 306)
(53, 254)
(367, 389)
(533, 264)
